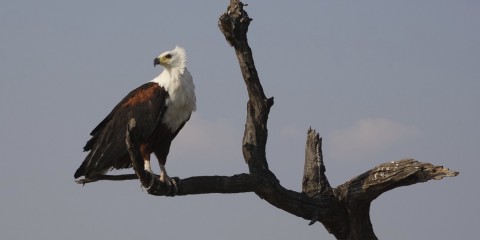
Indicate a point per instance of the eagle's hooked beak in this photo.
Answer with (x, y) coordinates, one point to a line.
(156, 62)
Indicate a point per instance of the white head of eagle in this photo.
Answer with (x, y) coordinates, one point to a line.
(160, 108)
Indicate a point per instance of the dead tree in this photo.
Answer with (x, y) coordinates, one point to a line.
(344, 210)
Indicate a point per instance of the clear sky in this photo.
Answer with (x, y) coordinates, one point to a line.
(380, 81)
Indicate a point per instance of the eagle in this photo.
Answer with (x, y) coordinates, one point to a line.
(160, 108)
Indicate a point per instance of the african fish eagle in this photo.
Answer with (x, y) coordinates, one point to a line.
(160, 108)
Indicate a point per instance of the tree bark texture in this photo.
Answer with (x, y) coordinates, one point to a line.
(343, 211)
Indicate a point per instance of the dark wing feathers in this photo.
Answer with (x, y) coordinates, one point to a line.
(107, 146)
(97, 130)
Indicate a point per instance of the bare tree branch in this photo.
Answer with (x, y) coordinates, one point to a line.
(107, 177)
(314, 183)
(357, 194)
(387, 176)
(234, 26)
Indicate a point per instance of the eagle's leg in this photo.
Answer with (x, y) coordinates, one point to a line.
(172, 185)
(148, 169)
(162, 159)
(147, 166)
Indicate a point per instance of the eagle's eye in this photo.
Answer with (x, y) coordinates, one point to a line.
(168, 56)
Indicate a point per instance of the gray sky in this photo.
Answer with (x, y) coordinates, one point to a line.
(380, 81)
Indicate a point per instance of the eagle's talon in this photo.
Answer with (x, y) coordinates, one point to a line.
(152, 180)
(172, 188)
(170, 183)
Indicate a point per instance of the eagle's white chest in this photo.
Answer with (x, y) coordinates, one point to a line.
(181, 101)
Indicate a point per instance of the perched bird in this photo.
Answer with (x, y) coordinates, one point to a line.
(160, 108)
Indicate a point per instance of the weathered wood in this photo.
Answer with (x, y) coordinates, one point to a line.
(315, 182)
(357, 194)
(234, 26)
(387, 176)
(121, 177)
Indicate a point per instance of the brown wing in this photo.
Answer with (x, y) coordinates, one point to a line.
(107, 146)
